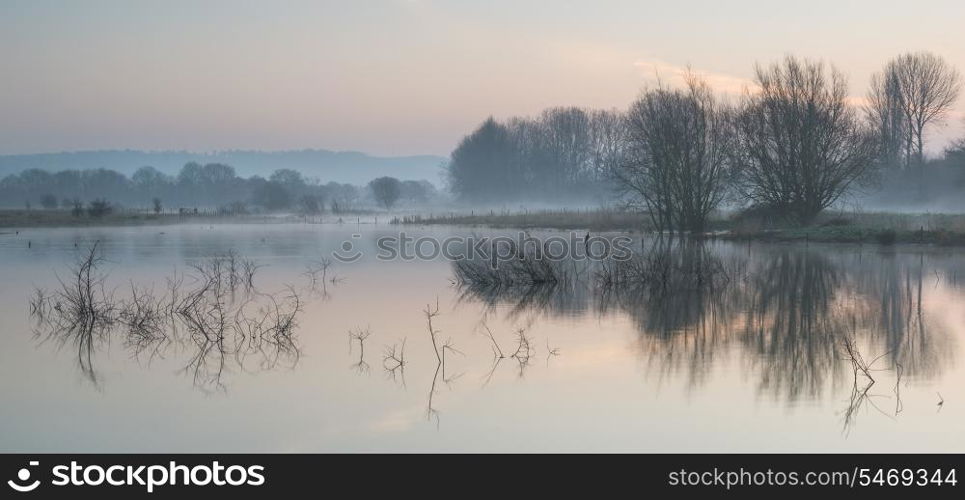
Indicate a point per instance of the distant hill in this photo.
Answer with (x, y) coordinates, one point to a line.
(339, 166)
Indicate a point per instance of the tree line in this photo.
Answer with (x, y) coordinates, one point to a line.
(793, 145)
(562, 154)
(213, 185)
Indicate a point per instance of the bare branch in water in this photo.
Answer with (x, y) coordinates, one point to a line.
(431, 412)
(214, 326)
(359, 335)
(860, 394)
(81, 312)
(489, 333)
(524, 350)
(492, 370)
(317, 274)
(248, 270)
(448, 346)
(430, 313)
(898, 404)
(857, 361)
(393, 361)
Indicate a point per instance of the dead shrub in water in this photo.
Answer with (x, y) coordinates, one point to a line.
(199, 314)
(81, 311)
(523, 267)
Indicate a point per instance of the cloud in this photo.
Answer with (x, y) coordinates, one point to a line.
(657, 71)
(399, 420)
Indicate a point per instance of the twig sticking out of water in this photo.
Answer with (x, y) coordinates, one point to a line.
(393, 360)
(430, 313)
(214, 326)
(497, 352)
(174, 284)
(431, 412)
(85, 298)
(81, 311)
(359, 335)
(317, 272)
(492, 371)
(144, 318)
(448, 346)
(860, 395)
(523, 345)
(40, 304)
(858, 363)
(524, 350)
(248, 270)
(551, 352)
(227, 271)
(898, 404)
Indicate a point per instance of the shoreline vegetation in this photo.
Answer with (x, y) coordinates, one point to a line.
(783, 163)
(881, 228)
(20, 219)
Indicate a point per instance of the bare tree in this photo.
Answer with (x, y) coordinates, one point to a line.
(923, 87)
(567, 139)
(608, 142)
(679, 151)
(887, 118)
(562, 153)
(801, 147)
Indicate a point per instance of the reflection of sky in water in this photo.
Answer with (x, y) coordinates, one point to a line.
(750, 363)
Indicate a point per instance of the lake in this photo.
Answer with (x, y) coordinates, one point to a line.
(713, 347)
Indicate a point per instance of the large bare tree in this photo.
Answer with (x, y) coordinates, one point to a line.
(608, 142)
(678, 152)
(887, 117)
(801, 145)
(917, 89)
(566, 136)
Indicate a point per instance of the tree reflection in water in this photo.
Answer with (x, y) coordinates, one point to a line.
(788, 311)
(800, 321)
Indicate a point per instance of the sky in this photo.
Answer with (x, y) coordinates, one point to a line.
(397, 77)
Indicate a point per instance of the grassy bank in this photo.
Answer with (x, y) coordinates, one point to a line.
(564, 219)
(15, 218)
(841, 227)
(833, 226)
(851, 234)
(64, 218)
(57, 218)
(880, 228)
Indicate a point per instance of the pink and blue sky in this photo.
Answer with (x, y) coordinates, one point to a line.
(395, 77)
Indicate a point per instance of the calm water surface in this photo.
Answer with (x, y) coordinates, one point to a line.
(745, 354)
